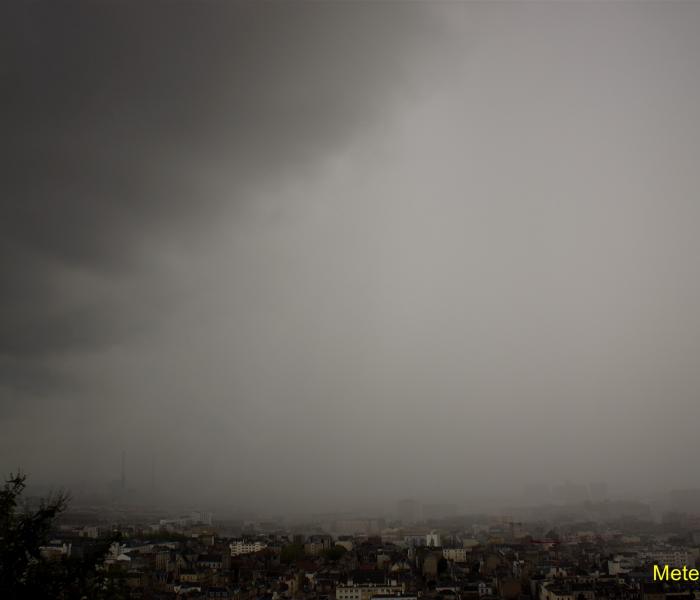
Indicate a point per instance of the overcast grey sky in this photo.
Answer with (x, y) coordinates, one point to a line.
(308, 254)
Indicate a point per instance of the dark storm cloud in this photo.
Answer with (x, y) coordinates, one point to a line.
(29, 378)
(113, 112)
(388, 249)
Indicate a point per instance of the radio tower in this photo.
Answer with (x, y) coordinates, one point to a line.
(153, 472)
(123, 470)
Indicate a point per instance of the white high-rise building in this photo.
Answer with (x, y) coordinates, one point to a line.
(246, 547)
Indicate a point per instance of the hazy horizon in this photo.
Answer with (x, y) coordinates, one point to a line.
(320, 254)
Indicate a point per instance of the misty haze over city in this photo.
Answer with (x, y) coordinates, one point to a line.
(324, 256)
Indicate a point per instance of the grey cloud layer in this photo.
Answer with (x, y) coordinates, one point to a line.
(114, 114)
(325, 251)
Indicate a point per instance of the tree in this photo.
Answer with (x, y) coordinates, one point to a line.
(291, 552)
(334, 553)
(22, 533)
(25, 574)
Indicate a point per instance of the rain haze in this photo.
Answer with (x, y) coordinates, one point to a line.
(328, 255)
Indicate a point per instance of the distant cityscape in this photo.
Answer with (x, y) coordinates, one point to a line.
(586, 547)
(350, 300)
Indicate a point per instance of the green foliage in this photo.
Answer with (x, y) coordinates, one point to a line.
(25, 574)
(334, 553)
(291, 553)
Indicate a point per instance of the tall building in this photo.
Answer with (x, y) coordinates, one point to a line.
(201, 517)
(242, 546)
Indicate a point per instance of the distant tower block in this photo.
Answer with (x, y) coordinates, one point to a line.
(123, 470)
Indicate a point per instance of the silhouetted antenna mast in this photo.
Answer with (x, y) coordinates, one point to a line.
(123, 469)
